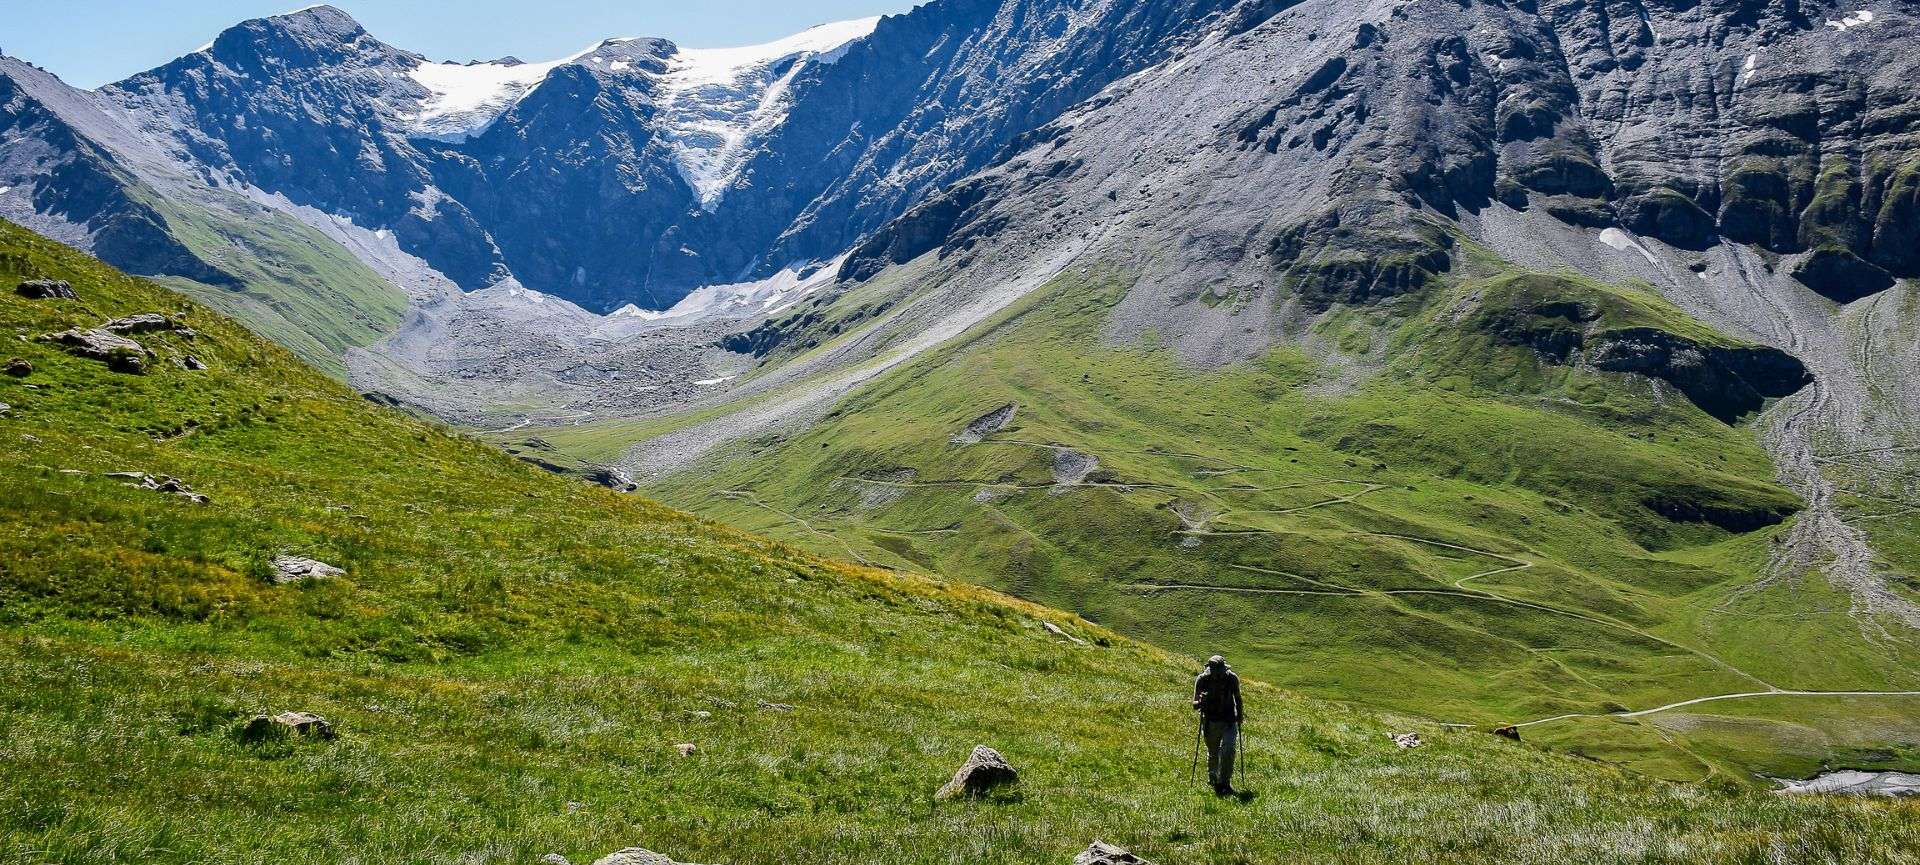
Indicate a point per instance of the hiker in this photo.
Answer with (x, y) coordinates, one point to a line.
(1216, 696)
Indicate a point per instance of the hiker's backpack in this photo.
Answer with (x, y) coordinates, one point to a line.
(1216, 695)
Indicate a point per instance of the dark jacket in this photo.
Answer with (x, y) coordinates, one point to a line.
(1217, 695)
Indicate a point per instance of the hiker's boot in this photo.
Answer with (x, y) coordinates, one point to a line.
(1223, 789)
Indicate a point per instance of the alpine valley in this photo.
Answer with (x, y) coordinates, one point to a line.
(1551, 364)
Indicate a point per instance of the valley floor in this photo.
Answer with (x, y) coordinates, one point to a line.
(1423, 546)
(510, 662)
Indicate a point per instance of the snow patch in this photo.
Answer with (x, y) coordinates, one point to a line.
(1857, 19)
(715, 100)
(709, 382)
(5, 189)
(526, 295)
(463, 100)
(1622, 241)
(1746, 71)
(632, 311)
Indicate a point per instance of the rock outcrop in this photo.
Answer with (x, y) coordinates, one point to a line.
(636, 856)
(1567, 322)
(45, 289)
(119, 353)
(146, 322)
(1102, 853)
(294, 569)
(1726, 382)
(983, 771)
(987, 424)
(163, 484)
(612, 477)
(1072, 467)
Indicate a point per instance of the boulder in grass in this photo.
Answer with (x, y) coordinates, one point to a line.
(635, 856)
(984, 770)
(1508, 733)
(303, 724)
(149, 322)
(119, 353)
(985, 425)
(1102, 853)
(1406, 740)
(146, 322)
(162, 484)
(294, 569)
(45, 289)
(19, 368)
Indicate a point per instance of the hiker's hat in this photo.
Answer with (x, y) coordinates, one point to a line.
(1217, 661)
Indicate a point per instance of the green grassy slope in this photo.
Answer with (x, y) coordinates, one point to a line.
(1473, 534)
(512, 656)
(296, 287)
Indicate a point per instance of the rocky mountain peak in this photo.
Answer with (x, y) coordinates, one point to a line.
(313, 37)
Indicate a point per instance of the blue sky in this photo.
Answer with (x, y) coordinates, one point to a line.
(93, 42)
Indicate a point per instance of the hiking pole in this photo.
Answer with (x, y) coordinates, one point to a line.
(1199, 731)
(1241, 733)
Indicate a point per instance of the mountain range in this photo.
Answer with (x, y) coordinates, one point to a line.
(1487, 359)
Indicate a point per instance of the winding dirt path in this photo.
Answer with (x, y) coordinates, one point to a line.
(751, 498)
(1333, 590)
(1714, 699)
(573, 418)
(1508, 564)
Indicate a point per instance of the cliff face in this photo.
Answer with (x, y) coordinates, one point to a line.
(1355, 135)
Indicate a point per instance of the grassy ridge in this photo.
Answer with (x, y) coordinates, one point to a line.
(1468, 535)
(511, 658)
(297, 287)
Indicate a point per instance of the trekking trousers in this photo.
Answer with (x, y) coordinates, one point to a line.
(1223, 745)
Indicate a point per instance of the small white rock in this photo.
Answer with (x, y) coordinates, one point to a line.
(293, 569)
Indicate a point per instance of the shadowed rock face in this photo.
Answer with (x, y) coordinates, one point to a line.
(1727, 383)
(1705, 506)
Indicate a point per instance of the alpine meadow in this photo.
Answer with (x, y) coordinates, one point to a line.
(851, 448)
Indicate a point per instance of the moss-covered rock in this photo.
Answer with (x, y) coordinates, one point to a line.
(1332, 258)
